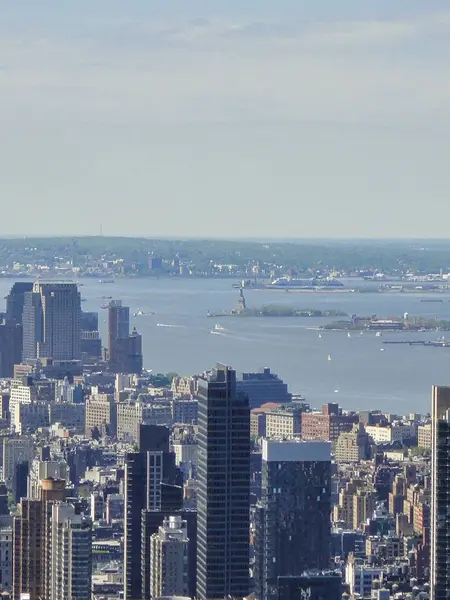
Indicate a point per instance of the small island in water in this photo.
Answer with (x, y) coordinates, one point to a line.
(389, 324)
(274, 310)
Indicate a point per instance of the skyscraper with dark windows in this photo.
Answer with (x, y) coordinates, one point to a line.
(154, 486)
(124, 349)
(293, 527)
(11, 330)
(15, 301)
(223, 487)
(440, 493)
(52, 321)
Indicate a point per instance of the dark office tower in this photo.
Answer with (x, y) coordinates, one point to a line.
(440, 493)
(262, 387)
(124, 349)
(118, 329)
(15, 301)
(21, 473)
(134, 358)
(223, 487)
(52, 321)
(89, 321)
(152, 483)
(4, 510)
(293, 528)
(11, 340)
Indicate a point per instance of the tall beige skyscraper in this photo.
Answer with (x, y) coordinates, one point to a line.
(168, 559)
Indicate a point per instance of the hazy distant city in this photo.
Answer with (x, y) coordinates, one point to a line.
(121, 480)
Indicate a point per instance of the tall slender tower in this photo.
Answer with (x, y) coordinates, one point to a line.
(440, 493)
(223, 487)
(52, 321)
(293, 526)
(118, 329)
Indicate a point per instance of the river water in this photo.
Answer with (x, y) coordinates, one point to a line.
(363, 372)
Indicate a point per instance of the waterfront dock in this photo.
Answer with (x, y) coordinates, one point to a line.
(433, 343)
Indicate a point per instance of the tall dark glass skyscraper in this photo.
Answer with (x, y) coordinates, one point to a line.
(152, 485)
(440, 493)
(223, 487)
(293, 527)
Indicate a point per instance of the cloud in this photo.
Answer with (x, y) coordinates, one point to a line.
(231, 69)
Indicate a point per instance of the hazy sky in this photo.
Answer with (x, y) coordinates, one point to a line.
(225, 117)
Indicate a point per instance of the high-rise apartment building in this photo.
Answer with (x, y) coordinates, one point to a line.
(71, 554)
(32, 542)
(169, 559)
(353, 446)
(440, 493)
(293, 527)
(52, 321)
(223, 487)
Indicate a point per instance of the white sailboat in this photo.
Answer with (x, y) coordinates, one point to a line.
(320, 335)
(349, 335)
(329, 357)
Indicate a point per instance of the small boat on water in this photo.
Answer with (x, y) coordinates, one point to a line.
(320, 335)
(218, 327)
(139, 313)
(349, 335)
(378, 334)
(329, 357)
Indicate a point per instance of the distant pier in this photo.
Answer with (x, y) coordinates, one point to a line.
(435, 343)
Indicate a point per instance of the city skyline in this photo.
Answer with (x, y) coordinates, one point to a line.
(293, 118)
